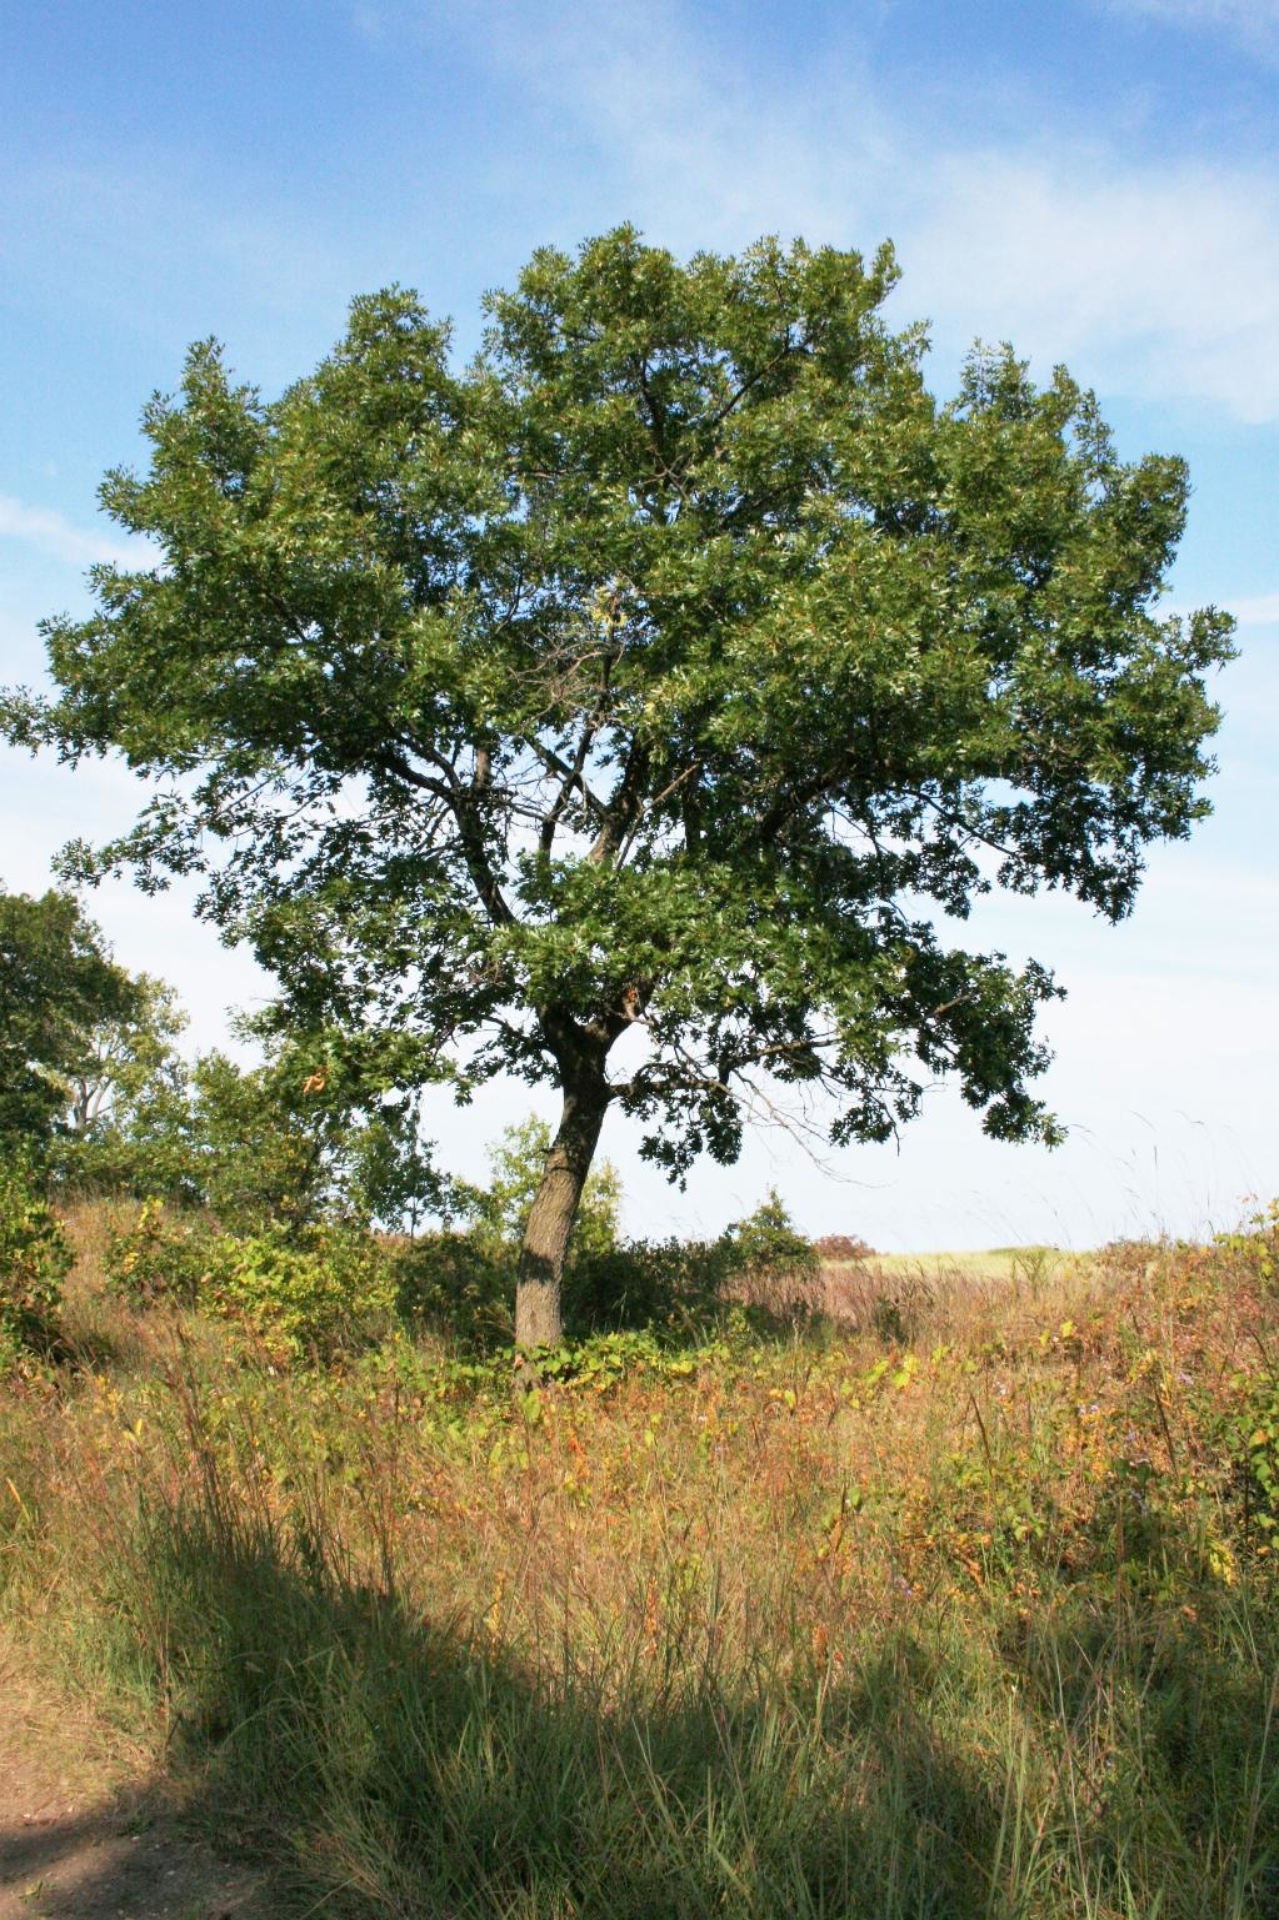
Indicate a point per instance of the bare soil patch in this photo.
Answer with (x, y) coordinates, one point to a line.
(86, 1831)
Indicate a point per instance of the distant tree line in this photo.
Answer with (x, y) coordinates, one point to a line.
(95, 1093)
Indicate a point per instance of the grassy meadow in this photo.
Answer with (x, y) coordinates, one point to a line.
(955, 1597)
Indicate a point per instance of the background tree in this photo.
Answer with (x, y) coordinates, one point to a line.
(767, 1248)
(499, 1212)
(679, 665)
(123, 1055)
(35, 1258)
(309, 1133)
(61, 994)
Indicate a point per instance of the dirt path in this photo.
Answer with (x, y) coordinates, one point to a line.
(82, 1834)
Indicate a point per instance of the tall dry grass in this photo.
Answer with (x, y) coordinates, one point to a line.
(967, 1612)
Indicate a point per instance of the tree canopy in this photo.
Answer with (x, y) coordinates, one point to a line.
(63, 1001)
(681, 663)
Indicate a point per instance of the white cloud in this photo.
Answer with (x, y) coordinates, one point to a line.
(703, 152)
(1162, 282)
(1259, 610)
(50, 533)
(1153, 281)
(1255, 22)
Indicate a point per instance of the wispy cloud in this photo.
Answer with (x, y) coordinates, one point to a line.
(1153, 281)
(1161, 282)
(1255, 22)
(707, 148)
(1260, 610)
(49, 533)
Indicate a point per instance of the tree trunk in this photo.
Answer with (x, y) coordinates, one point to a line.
(538, 1318)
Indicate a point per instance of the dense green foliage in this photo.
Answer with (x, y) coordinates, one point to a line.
(767, 1245)
(307, 1298)
(299, 1138)
(61, 997)
(126, 1056)
(158, 1257)
(297, 1294)
(35, 1258)
(497, 1213)
(305, 1287)
(306, 1135)
(681, 665)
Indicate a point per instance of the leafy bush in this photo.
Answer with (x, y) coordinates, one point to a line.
(309, 1297)
(164, 1257)
(35, 1258)
(770, 1263)
(456, 1284)
(500, 1211)
(644, 1283)
(307, 1294)
(768, 1242)
(463, 1283)
(1255, 1245)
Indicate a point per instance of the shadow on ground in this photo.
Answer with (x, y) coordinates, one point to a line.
(122, 1856)
(396, 1767)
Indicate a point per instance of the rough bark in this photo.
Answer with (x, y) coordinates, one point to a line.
(538, 1313)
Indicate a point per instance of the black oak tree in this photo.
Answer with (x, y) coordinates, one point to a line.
(681, 663)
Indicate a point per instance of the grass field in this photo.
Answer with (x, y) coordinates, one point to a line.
(965, 1607)
(993, 1263)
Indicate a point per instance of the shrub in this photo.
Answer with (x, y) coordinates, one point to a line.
(768, 1242)
(163, 1257)
(305, 1294)
(500, 1211)
(308, 1297)
(643, 1283)
(35, 1258)
(1255, 1246)
(457, 1284)
(837, 1249)
(462, 1285)
(770, 1262)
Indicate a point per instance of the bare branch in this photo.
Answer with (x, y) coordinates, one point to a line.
(572, 778)
(553, 763)
(462, 802)
(624, 805)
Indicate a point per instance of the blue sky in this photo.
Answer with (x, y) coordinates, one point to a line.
(1095, 180)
